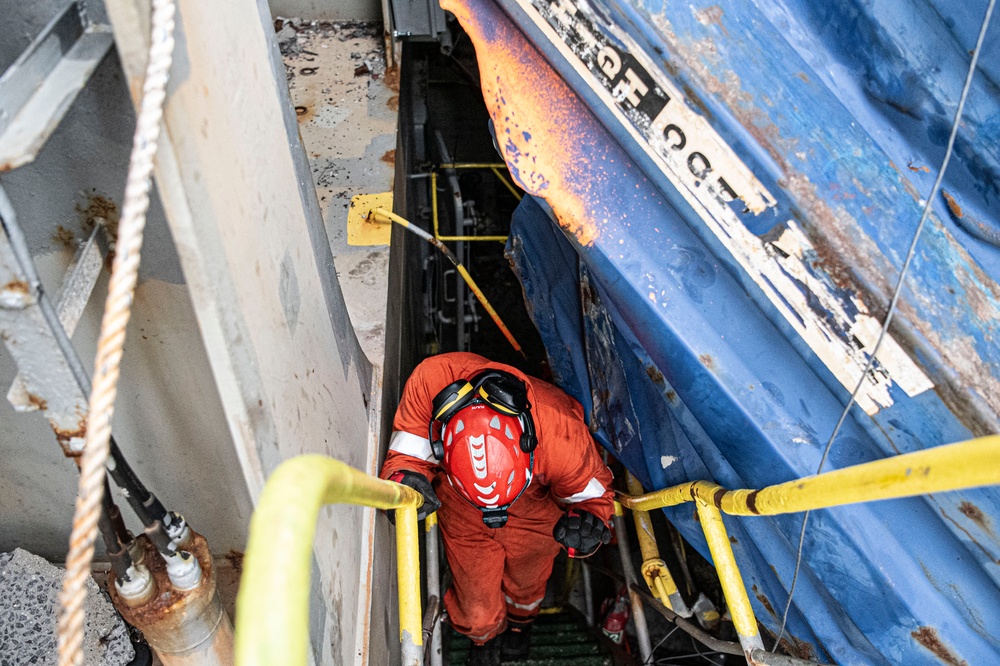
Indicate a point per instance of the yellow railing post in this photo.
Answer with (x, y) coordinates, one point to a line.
(957, 466)
(272, 608)
(654, 570)
(729, 575)
(411, 635)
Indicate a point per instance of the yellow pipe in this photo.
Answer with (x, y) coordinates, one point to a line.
(729, 576)
(434, 203)
(411, 634)
(966, 464)
(473, 165)
(951, 467)
(272, 608)
(658, 577)
(501, 239)
(434, 217)
(507, 184)
(383, 215)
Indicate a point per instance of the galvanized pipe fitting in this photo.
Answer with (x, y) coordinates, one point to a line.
(183, 626)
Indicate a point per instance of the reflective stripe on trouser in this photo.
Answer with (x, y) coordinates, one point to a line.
(495, 572)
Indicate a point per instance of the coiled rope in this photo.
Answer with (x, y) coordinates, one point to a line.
(117, 310)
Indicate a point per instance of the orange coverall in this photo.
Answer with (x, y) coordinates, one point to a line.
(501, 572)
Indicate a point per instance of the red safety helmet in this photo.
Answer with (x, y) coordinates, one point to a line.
(484, 461)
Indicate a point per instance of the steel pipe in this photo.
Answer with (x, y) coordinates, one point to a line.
(431, 550)
(638, 614)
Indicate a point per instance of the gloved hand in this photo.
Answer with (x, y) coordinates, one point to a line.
(581, 532)
(419, 483)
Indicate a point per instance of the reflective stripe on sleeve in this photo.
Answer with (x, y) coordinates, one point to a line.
(593, 490)
(411, 445)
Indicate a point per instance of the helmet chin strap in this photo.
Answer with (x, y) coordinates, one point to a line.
(497, 517)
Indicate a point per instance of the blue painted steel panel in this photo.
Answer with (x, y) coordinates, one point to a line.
(736, 187)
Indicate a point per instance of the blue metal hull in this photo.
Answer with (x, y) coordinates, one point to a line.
(723, 200)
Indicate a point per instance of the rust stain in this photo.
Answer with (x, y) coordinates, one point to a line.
(392, 103)
(975, 514)
(304, 113)
(672, 395)
(655, 374)
(798, 648)
(764, 601)
(541, 125)
(235, 559)
(909, 165)
(38, 402)
(169, 607)
(803, 76)
(391, 78)
(953, 206)
(928, 637)
(971, 538)
(389, 157)
(64, 237)
(99, 207)
(64, 436)
(707, 361)
(17, 286)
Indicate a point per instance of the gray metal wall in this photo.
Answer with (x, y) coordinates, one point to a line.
(169, 419)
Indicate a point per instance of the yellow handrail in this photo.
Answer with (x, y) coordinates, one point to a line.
(951, 467)
(272, 608)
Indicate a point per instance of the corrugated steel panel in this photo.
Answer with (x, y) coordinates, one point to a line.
(736, 188)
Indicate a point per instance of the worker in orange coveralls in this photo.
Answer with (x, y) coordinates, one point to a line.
(510, 466)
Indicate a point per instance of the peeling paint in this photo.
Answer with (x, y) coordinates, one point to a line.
(841, 331)
(650, 106)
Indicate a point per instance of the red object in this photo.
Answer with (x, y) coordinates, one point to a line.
(501, 572)
(482, 458)
(616, 611)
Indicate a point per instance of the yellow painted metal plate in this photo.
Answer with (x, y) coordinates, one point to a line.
(362, 229)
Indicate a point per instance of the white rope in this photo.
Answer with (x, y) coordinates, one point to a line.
(893, 303)
(117, 310)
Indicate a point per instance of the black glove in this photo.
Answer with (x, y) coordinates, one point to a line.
(419, 483)
(581, 532)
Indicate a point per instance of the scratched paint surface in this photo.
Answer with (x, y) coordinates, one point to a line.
(741, 301)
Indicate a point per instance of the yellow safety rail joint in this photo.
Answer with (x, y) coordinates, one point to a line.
(957, 466)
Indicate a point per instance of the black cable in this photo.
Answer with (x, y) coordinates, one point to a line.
(147, 507)
(116, 537)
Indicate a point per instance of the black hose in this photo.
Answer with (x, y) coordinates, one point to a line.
(145, 504)
(147, 507)
(116, 537)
